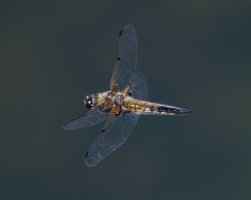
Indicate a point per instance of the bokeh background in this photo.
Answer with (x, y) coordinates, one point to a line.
(194, 54)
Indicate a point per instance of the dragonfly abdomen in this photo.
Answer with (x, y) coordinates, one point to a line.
(139, 106)
(144, 107)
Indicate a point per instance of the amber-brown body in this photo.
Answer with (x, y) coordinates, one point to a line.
(117, 103)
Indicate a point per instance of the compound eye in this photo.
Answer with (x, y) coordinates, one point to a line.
(88, 102)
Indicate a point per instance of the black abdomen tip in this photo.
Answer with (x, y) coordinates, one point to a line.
(166, 109)
(87, 153)
(188, 111)
(176, 111)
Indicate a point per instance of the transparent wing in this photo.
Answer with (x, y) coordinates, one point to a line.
(90, 118)
(138, 89)
(117, 129)
(127, 57)
(116, 134)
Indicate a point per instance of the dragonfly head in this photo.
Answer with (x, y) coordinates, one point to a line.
(89, 101)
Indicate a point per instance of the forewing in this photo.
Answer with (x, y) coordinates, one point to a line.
(90, 118)
(127, 57)
(115, 134)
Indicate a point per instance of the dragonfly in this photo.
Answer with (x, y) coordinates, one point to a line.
(122, 105)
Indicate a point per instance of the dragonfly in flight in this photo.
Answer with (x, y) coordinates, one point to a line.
(122, 105)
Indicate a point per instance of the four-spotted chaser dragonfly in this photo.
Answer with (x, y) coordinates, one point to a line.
(122, 105)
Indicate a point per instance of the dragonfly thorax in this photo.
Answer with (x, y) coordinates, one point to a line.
(115, 98)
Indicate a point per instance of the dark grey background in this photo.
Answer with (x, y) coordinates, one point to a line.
(194, 54)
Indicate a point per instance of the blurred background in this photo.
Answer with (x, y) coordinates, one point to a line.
(194, 54)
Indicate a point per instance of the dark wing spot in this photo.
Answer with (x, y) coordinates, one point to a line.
(120, 33)
(87, 153)
(118, 58)
(103, 130)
